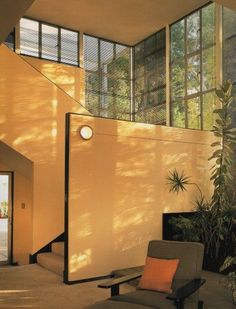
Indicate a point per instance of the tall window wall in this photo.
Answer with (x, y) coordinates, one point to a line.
(124, 82)
(107, 78)
(150, 79)
(192, 70)
(50, 42)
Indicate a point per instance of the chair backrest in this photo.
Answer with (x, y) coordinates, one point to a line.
(190, 255)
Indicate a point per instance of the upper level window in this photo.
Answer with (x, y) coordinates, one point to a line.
(192, 70)
(150, 79)
(229, 50)
(49, 42)
(107, 78)
(29, 37)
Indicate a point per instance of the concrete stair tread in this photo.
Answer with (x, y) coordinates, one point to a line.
(58, 248)
(52, 262)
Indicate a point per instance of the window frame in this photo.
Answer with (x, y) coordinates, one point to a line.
(200, 94)
(59, 28)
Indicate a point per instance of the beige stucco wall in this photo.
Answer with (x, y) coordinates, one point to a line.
(32, 122)
(69, 78)
(118, 189)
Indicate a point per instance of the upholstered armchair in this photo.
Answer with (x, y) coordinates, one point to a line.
(186, 281)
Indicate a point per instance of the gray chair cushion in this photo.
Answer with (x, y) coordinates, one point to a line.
(110, 304)
(146, 298)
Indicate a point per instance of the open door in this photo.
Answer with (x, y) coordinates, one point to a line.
(6, 212)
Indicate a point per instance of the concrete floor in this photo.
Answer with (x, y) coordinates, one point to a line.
(34, 287)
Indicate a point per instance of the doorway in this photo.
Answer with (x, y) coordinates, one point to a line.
(6, 212)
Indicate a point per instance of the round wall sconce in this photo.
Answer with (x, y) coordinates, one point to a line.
(86, 132)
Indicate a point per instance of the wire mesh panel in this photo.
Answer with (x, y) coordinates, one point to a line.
(229, 50)
(107, 78)
(150, 79)
(29, 37)
(69, 47)
(192, 70)
(49, 42)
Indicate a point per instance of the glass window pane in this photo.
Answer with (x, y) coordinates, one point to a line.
(178, 113)
(161, 68)
(193, 32)
(229, 59)
(150, 45)
(29, 37)
(90, 53)
(177, 41)
(153, 114)
(112, 64)
(139, 68)
(161, 96)
(92, 81)
(151, 81)
(107, 54)
(92, 102)
(208, 25)
(139, 86)
(49, 42)
(208, 68)
(193, 75)
(177, 80)
(209, 105)
(69, 47)
(229, 22)
(194, 114)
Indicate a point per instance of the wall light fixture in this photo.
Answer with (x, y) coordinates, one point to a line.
(86, 132)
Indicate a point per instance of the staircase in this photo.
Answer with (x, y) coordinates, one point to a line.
(54, 260)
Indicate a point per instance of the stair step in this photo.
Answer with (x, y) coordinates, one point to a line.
(58, 248)
(52, 262)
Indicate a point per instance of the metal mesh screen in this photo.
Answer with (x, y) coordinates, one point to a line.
(150, 79)
(29, 37)
(69, 47)
(49, 42)
(107, 78)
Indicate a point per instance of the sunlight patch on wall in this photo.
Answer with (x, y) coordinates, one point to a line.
(83, 222)
(81, 260)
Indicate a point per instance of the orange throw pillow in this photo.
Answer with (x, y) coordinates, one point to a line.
(158, 274)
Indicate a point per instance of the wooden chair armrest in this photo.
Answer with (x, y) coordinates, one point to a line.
(114, 284)
(185, 291)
